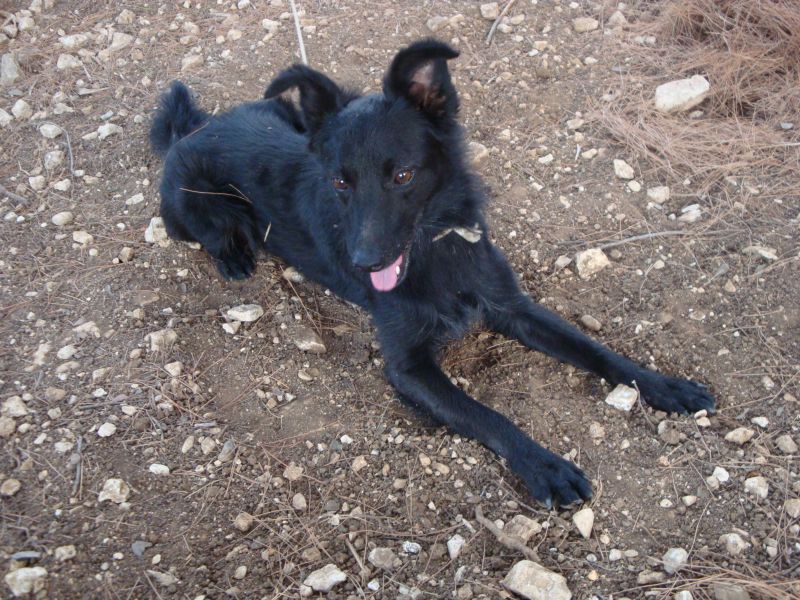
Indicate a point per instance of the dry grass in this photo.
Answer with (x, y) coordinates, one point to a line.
(748, 51)
(703, 579)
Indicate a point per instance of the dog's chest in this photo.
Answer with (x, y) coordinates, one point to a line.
(457, 312)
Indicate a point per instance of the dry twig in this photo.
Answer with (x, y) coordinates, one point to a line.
(497, 21)
(15, 197)
(505, 539)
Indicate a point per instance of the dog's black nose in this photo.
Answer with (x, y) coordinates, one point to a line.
(367, 259)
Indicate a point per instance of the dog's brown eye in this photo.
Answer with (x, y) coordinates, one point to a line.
(403, 176)
(339, 184)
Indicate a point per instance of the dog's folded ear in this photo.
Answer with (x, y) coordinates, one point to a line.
(419, 74)
(320, 97)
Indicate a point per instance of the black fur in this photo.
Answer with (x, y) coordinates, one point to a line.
(353, 190)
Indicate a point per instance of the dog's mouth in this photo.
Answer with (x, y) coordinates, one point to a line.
(389, 277)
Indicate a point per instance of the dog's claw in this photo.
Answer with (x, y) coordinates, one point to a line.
(674, 395)
(549, 478)
(241, 266)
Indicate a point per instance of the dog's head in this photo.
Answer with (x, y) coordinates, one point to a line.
(385, 155)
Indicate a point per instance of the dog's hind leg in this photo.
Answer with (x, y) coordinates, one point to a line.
(513, 314)
(549, 478)
(224, 225)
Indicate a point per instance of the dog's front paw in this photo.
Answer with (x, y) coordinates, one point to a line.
(549, 478)
(674, 395)
(235, 266)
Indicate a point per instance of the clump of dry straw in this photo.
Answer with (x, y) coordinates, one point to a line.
(750, 53)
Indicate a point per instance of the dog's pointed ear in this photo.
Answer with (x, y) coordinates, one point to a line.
(320, 97)
(419, 74)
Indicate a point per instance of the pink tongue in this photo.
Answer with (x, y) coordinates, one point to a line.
(386, 279)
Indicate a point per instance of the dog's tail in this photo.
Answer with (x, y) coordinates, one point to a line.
(177, 116)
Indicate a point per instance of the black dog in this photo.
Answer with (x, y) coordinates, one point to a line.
(371, 197)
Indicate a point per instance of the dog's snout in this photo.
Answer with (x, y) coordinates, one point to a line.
(369, 259)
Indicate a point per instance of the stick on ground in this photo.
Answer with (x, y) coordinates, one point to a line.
(505, 539)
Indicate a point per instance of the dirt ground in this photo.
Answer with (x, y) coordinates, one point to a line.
(315, 449)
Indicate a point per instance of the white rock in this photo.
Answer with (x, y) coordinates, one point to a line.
(21, 110)
(683, 595)
(162, 579)
(135, 199)
(757, 486)
(307, 340)
(734, 543)
(161, 340)
(762, 422)
(532, 581)
(674, 560)
(125, 17)
(53, 159)
(359, 463)
(9, 69)
(192, 62)
(622, 397)
(522, 528)
(270, 26)
(106, 430)
(729, 591)
(293, 471)
(115, 490)
(584, 24)
(64, 553)
(761, 252)
(622, 169)
(792, 507)
(682, 94)
(584, 521)
(436, 23)
(7, 427)
(158, 469)
(299, 502)
(50, 130)
(454, 546)
(156, 232)
(10, 487)
(62, 185)
(74, 41)
(82, 237)
(477, 153)
(324, 579)
(740, 435)
(174, 368)
(617, 19)
(634, 186)
(14, 407)
(119, 41)
(67, 62)
(5, 118)
(574, 124)
(246, 313)
(384, 558)
(562, 261)
(786, 444)
(243, 521)
(721, 474)
(591, 261)
(107, 130)
(37, 182)
(490, 11)
(658, 194)
(691, 214)
(27, 580)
